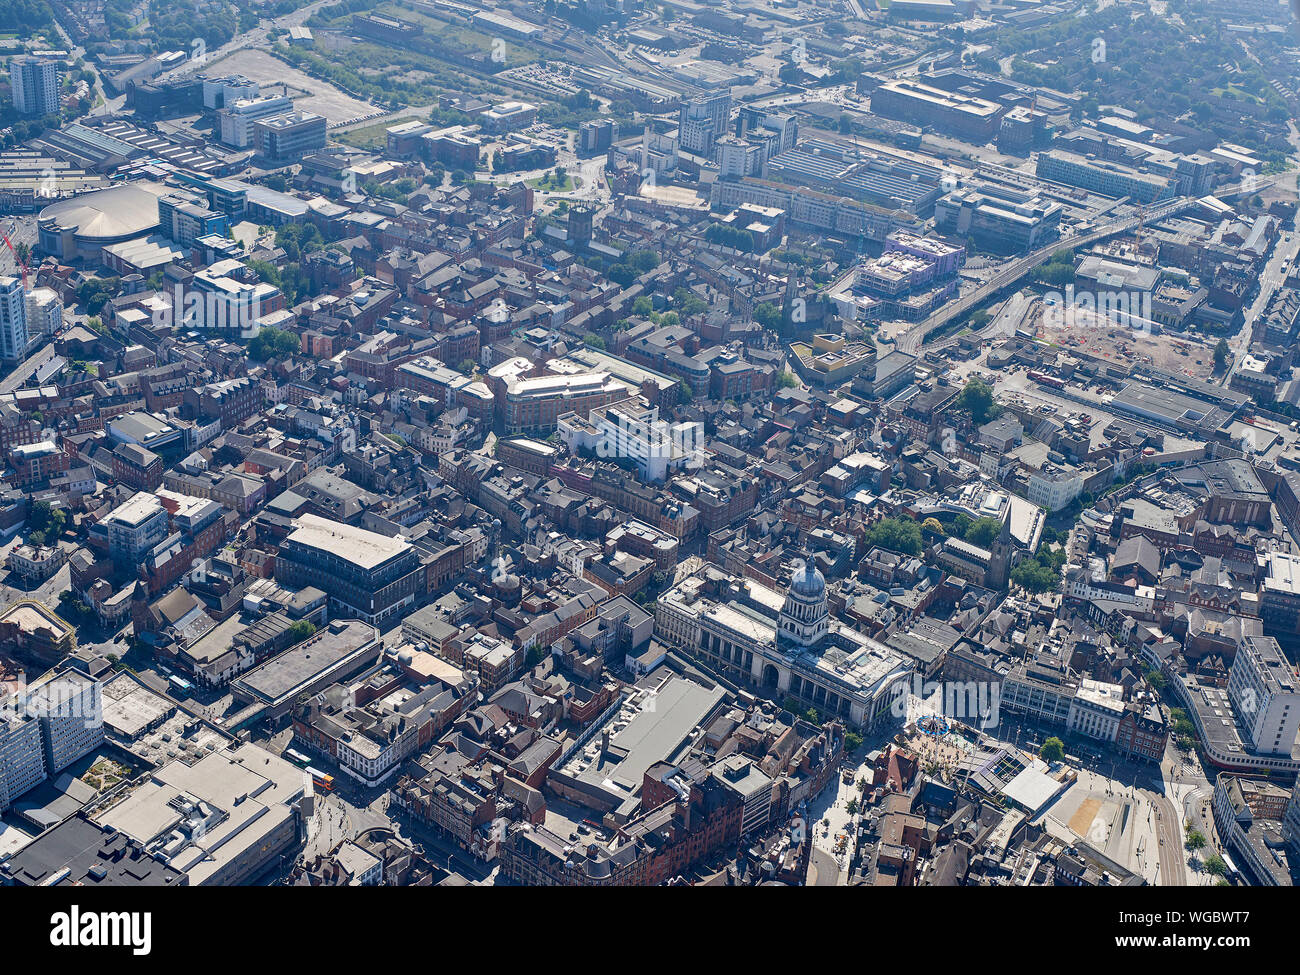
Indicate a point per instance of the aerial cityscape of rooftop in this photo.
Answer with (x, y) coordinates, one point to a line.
(479, 443)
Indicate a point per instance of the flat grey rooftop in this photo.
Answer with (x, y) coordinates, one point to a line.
(299, 665)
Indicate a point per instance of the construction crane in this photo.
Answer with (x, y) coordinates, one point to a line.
(17, 260)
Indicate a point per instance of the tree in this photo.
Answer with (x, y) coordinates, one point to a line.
(643, 306)
(1214, 864)
(1221, 354)
(983, 531)
(1053, 750)
(271, 342)
(767, 315)
(736, 238)
(932, 525)
(789, 380)
(896, 534)
(1059, 269)
(302, 630)
(45, 519)
(643, 260)
(1032, 575)
(977, 398)
(688, 303)
(621, 274)
(1195, 840)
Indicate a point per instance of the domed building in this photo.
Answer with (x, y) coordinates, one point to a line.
(81, 227)
(805, 620)
(784, 644)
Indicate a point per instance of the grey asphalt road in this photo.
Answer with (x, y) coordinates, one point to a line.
(823, 871)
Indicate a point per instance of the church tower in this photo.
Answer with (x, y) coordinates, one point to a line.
(1002, 551)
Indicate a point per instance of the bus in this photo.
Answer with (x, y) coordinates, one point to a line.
(180, 686)
(296, 757)
(321, 780)
(1043, 379)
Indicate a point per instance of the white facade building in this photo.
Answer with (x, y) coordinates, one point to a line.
(135, 527)
(1263, 694)
(35, 83)
(1053, 487)
(13, 319)
(237, 119)
(784, 644)
(44, 312)
(1096, 710)
(22, 759)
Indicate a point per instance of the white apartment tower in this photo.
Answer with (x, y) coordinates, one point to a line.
(13, 319)
(22, 759)
(46, 728)
(702, 121)
(35, 83)
(70, 711)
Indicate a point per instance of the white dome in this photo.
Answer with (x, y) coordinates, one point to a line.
(808, 582)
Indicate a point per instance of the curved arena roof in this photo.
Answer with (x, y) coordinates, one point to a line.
(108, 215)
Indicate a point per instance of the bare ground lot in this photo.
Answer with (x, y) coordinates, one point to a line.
(1094, 334)
(271, 73)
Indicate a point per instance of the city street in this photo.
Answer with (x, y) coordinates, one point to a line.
(1274, 273)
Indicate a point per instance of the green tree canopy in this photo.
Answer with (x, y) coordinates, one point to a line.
(302, 630)
(977, 397)
(271, 342)
(896, 534)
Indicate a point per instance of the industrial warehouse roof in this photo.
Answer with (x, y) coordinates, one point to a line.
(114, 214)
